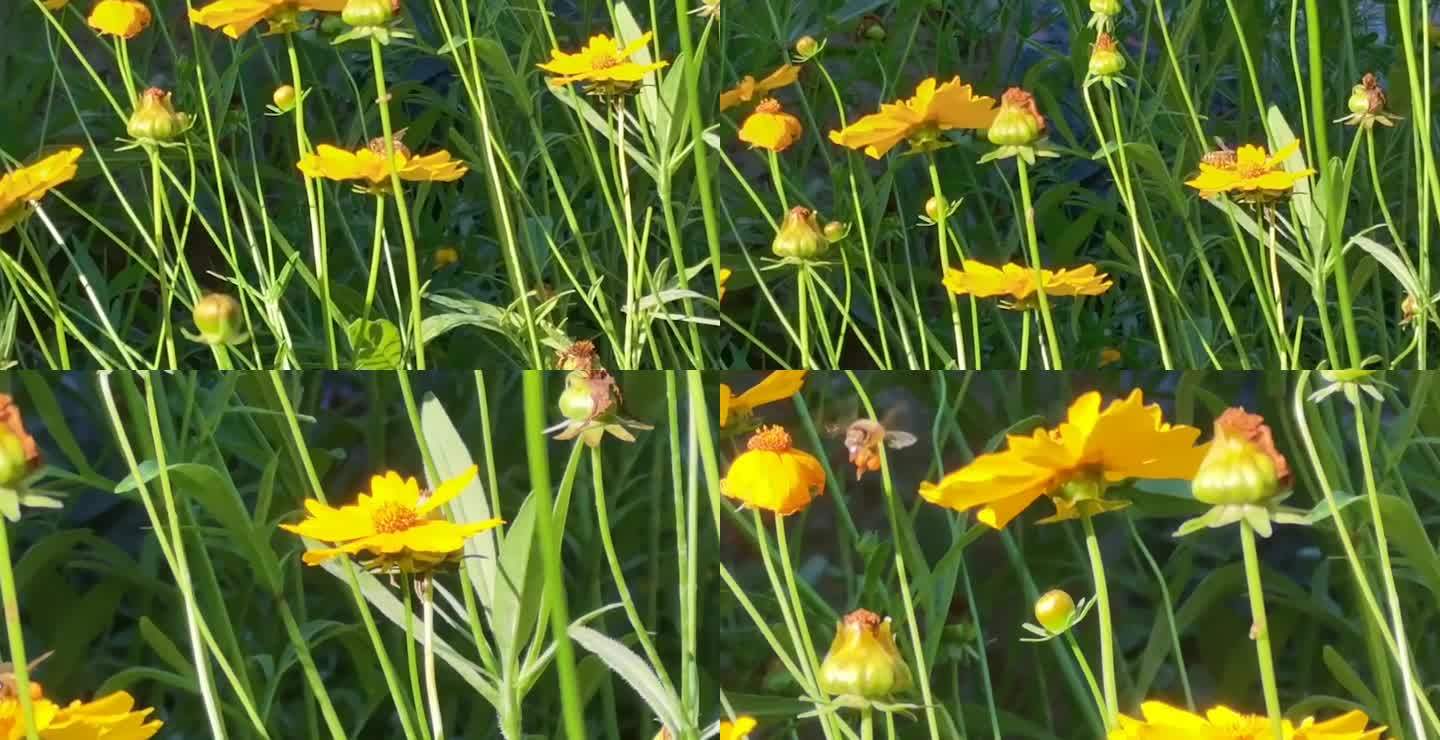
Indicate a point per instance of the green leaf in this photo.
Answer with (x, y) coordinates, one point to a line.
(518, 588)
(630, 667)
(164, 647)
(1348, 677)
(376, 343)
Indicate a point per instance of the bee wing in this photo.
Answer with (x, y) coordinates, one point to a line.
(898, 440)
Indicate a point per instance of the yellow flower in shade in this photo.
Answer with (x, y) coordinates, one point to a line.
(235, 17)
(770, 127)
(1160, 721)
(445, 257)
(749, 89)
(1110, 356)
(1248, 174)
(740, 729)
(1073, 463)
(112, 717)
(369, 168)
(27, 185)
(392, 525)
(123, 18)
(1017, 282)
(776, 386)
(920, 119)
(772, 475)
(603, 65)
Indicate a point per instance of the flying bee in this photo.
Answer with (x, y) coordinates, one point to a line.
(863, 438)
(9, 689)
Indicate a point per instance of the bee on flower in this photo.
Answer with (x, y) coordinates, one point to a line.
(1018, 283)
(21, 189)
(920, 120)
(368, 168)
(605, 67)
(1249, 174)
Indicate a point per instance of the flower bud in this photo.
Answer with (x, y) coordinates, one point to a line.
(933, 208)
(1242, 465)
(367, 13)
(1105, 7)
(590, 393)
(1105, 59)
(835, 231)
(155, 119)
(800, 236)
(445, 257)
(284, 98)
(219, 319)
(1409, 308)
(871, 28)
(863, 660)
(19, 455)
(1054, 610)
(807, 47)
(1018, 123)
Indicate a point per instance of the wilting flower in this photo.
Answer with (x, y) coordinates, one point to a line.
(1073, 463)
(1243, 477)
(392, 526)
(603, 65)
(863, 660)
(770, 127)
(1368, 104)
(772, 475)
(235, 17)
(749, 89)
(19, 456)
(21, 188)
(1249, 174)
(1161, 720)
(155, 119)
(111, 717)
(740, 729)
(590, 402)
(1018, 130)
(122, 18)
(800, 236)
(1017, 282)
(920, 119)
(368, 165)
(776, 386)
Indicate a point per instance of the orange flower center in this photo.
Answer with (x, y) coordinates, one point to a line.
(768, 105)
(1252, 170)
(602, 60)
(770, 439)
(394, 517)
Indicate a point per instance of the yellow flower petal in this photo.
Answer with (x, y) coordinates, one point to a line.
(448, 490)
(122, 18)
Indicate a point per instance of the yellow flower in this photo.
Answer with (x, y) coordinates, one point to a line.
(235, 17)
(1018, 281)
(1249, 174)
(1164, 722)
(392, 525)
(123, 18)
(776, 386)
(27, 185)
(368, 165)
(112, 717)
(920, 119)
(770, 127)
(1072, 463)
(1110, 356)
(603, 64)
(774, 476)
(725, 274)
(740, 729)
(749, 89)
(445, 257)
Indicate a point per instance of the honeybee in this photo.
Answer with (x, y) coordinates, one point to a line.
(8, 687)
(863, 438)
(1224, 157)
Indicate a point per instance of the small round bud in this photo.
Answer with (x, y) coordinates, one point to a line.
(445, 257)
(835, 231)
(1106, 59)
(1018, 123)
(1105, 7)
(284, 98)
(800, 236)
(1409, 309)
(871, 28)
(219, 319)
(368, 13)
(807, 46)
(1242, 465)
(576, 403)
(1359, 102)
(1054, 611)
(155, 118)
(934, 207)
(863, 660)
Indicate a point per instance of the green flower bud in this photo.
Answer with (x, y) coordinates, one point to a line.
(219, 319)
(1105, 7)
(807, 46)
(1242, 465)
(863, 660)
(871, 28)
(367, 13)
(1018, 123)
(155, 118)
(577, 403)
(835, 231)
(1359, 102)
(800, 236)
(19, 455)
(1106, 60)
(1054, 611)
(933, 208)
(284, 98)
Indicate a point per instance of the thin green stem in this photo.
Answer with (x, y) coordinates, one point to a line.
(18, 666)
(1260, 629)
(402, 209)
(313, 203)
(942, 213)
(1028, 216)
(1107, 632)
(1085, 669)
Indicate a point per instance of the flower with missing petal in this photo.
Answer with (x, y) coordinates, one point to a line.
(1249, 174)
(367, 166)
(122, 18)
(603, 65)
(772, 475)
(776, 386)
(770, 127)
(1018, 284)
(748, 89)
(27, 185)
(1073, 464)
(393, 527)
(235, 17)
(920, 119)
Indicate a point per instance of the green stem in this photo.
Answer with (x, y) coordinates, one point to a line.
(402, 210)
(312, 203)
(1028, 216)
(867, 723)
(1261, 629)
(698, 148)
(802, 282)
(18, 667)
(427, 606)
(1085, 669)
(407, 585)
(942, 208)
(377, 244)
(1107, 632)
